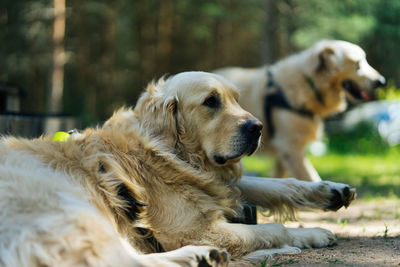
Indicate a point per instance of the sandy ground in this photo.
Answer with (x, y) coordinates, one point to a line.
(368, 235)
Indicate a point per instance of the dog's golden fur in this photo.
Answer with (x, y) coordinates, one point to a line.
(335, 68)
(175, 152)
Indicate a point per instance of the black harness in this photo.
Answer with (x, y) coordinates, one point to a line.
(276, 99)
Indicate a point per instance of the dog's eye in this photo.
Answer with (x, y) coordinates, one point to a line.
(212, 102)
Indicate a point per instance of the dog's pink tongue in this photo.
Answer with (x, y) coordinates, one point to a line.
(365, 95)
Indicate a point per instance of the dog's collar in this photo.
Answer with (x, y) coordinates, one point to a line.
(315, 90)
(277, 99)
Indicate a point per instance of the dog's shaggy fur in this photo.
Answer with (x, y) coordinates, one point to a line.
(162, 176)
(314, 83)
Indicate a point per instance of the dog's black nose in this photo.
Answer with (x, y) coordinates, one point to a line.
(380, 82)
(253, 127)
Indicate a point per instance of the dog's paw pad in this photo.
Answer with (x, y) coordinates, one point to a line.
(341, 195)
(219, 256)
(215, 258)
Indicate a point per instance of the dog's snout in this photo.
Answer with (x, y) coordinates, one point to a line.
(252, 127)
(255, 126)
(380, 82)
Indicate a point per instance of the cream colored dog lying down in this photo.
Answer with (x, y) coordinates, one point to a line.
(157, 178)
(295, 94)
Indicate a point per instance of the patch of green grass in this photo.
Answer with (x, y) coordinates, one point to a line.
(261, 264)
(385, 232)
(335, 261)
(342, 222)
(374, 176)
(260, 164)
(276, 263)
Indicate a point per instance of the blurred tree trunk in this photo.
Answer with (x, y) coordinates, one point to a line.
(83, 56)
(146, 40)
(280, 24)
(270, 47)
(107, 84)
(164, 44)
(57, 71)
(288, 25)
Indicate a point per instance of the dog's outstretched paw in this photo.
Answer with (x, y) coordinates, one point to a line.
(214, 258)
(340, 195)
(312, 237)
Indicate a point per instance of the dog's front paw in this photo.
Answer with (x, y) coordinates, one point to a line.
(204, 256)
(213, 258)
(340, 195)
(188, 256)
(332, 196)
(312, 237)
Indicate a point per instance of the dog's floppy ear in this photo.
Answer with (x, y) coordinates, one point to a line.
(327, 60)
(157, 112)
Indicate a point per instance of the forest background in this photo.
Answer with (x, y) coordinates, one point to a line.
(109, 50)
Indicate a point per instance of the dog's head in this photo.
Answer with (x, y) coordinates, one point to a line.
(198, 112)
(344, 65)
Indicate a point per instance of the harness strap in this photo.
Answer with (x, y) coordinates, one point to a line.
(277, 99)
(315, 90)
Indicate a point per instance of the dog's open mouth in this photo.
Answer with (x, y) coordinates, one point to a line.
(356, 91)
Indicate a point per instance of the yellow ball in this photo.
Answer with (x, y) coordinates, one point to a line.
(61, 137)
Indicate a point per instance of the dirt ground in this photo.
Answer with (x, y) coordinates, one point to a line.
(368, 235)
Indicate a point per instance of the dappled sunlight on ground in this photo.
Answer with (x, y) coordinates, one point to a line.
(368, 235)
(363, 218)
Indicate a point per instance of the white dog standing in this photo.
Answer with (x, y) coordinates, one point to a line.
(294, 95)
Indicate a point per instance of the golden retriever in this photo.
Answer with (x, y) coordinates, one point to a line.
(294, 95)
(163, 176)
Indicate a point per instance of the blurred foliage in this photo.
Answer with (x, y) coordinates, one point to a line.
(373, 175)
(350, 20)
(363, 138)
(390, 92)
(114, 48)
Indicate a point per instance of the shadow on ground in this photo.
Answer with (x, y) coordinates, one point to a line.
(368, 235)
